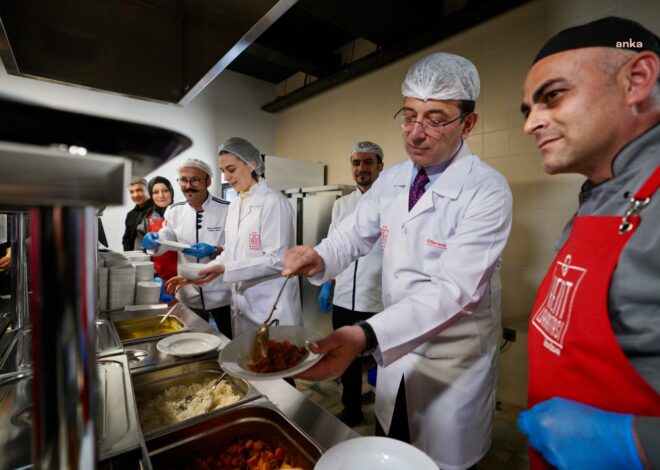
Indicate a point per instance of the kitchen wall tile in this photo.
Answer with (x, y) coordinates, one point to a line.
(524, 168)
(496, 144)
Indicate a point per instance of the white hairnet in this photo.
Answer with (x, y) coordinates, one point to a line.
(366, 146)
(442, 76)
(195, 163)
(245, 151)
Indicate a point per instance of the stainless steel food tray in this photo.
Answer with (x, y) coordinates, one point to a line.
(254, 421)
(107, 340)
(117, 425)
(153, 382)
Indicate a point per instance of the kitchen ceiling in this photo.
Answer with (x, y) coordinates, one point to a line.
(169, 50)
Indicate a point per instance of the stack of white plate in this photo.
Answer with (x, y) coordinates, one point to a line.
(117, 261)
(103, 288)
(144, 270)
(147, 292)
(121, 282)
(137, 256)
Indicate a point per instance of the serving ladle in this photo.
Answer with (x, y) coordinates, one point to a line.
(260, 346)
(191, 397)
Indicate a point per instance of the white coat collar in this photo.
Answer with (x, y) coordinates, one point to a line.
(258, 194)
(448, 184)
(205, 204)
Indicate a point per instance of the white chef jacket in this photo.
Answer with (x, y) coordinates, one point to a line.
(181, 225)
(440, 326)
(358, 287)
(258, 233)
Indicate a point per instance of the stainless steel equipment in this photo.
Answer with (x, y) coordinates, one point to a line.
(50, 169)
(148, 384)
(313, 208)
(262, 421)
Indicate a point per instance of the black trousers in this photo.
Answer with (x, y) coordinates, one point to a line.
(222, 317)
(399, 428)
(351, 379)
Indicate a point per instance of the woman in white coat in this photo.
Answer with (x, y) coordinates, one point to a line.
(258, 231)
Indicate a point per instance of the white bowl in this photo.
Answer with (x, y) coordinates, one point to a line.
(191, 270)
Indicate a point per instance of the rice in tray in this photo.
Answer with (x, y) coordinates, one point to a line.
(182, 402)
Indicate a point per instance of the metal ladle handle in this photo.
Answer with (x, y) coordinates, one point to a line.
(277, 299)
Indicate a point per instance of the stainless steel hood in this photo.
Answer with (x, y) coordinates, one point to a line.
(159, 50)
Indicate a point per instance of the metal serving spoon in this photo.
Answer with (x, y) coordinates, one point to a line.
(191, 397)
(153, 330)
(260, 346)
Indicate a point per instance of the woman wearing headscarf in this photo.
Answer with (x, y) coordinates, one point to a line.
(162, 194)
(258, 230)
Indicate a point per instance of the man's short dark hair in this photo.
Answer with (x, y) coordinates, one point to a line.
(466, 106)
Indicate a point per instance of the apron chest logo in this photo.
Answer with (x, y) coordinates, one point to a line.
(255, 241)
(384, 231)
(553, 317)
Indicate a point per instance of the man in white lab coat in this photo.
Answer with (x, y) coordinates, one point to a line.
(443, 218)
(199, 222)
(357, 290)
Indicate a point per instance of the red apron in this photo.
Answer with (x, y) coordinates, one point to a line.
(573, 352)
(165, 264)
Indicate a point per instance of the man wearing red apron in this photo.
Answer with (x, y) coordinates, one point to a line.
(592, 101)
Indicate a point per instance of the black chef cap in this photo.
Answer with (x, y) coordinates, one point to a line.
(160, 179)
(607, 32)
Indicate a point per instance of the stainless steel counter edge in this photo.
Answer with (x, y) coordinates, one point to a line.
(318, 423)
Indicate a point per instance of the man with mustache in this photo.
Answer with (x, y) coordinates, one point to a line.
(442, 217)
(592, 101)
(357, 290)
(199, 222)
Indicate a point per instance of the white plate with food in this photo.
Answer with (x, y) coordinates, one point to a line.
(172, 245)
(287, 354)
(189, 344)
(377, 453)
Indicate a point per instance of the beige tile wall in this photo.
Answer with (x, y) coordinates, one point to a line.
(325, 127)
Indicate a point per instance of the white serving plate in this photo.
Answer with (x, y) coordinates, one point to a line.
(172, 245)
(237, 355)
(374, 453)
(188, 344)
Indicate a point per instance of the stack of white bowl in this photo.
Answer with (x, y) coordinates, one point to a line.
(121, 284)
(144, 270)
(103, 288)
(147, 293)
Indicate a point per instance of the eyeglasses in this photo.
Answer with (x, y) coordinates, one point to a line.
(434, 125)
(193, 181)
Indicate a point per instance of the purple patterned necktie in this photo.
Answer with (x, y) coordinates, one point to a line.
(418, 188)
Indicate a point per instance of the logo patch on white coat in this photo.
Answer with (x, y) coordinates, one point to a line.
(384, 231)
(255, 241)
(435, 244)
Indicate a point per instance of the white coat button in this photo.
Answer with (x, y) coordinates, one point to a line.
(404, 230)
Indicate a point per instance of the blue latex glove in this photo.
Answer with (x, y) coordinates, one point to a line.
(164, 296)
(148, 241)
(199, 250)
(571, 435)
(324, 297)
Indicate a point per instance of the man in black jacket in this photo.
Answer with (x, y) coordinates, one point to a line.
(138, 192)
